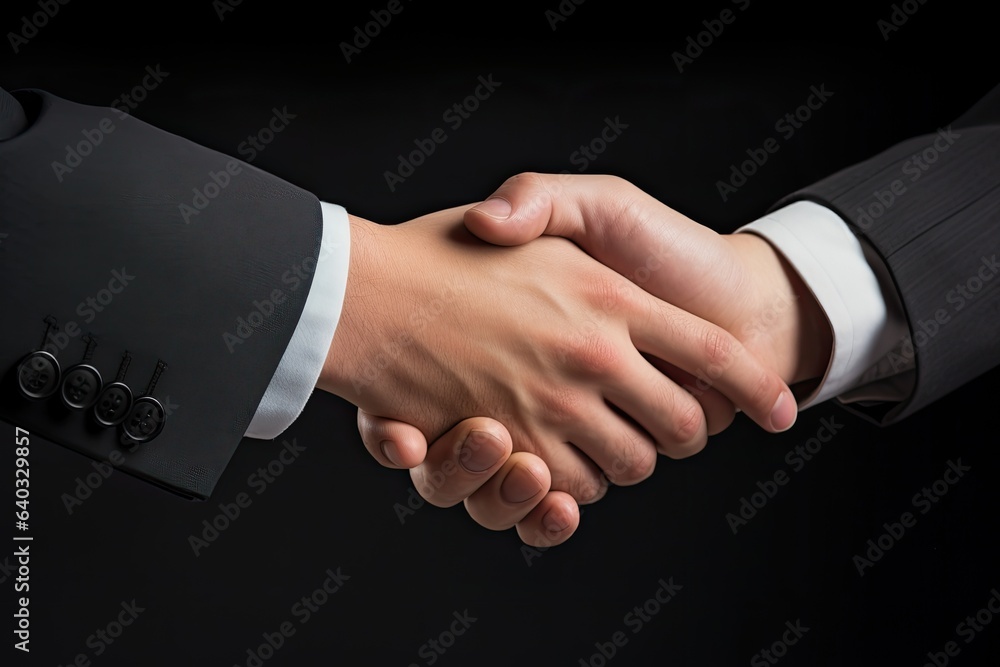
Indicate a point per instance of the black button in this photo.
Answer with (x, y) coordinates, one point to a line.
(145, 419)
(113, 404)
(38, 375)
(81, 386)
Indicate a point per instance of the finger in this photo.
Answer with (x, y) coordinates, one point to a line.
(614, 222)
(717, 360)
(517, 212)
(394, 444)
(552, 522)
(671, 415)
(461, 461)
(508, 496)
(574, 472)
(719, 410)
(623, 451)
(571, 469)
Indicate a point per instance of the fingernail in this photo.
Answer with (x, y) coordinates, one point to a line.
(554, 522)
(480, 451)
(390, 452)
(520, 485)
(783, 413)
(495, 207)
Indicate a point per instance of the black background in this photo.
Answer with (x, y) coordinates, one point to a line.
(334, 506)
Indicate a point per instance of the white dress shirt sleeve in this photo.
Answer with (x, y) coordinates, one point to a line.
(853, 287)
(300, 366)
(850, 283)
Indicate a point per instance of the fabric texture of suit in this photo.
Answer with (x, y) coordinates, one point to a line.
(158, 247)
(201, 271)
(930, 207)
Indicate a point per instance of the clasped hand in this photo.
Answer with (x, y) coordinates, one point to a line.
(549, 370)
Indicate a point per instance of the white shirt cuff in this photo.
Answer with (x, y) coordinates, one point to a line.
(855, 291)
(302, 362)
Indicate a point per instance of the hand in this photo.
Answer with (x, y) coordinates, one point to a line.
(474, 462)
(437, 326)
(738, 281)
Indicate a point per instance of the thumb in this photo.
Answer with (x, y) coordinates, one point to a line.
(519, 211)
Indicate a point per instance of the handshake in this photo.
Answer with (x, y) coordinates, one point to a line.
(611, 329)
(518, 355)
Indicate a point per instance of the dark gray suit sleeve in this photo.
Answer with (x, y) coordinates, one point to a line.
(930, 207)
(178, 271)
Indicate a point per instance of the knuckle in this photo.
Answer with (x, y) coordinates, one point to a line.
(688, 422)
(687, 449)
(718, 346)
(593, 353)
(435, 487)
(633, 469)
(615, 181)
(529, 184)
(369, 428)
(525, 176)
(561, 404)
(588, 488)
(626, 217)
(687, 428)
(608, 291)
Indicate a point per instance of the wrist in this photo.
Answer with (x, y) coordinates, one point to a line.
(814, 341)
(799, 336)
(344, 367)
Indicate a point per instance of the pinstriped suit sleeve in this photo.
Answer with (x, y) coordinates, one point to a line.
(930, 209)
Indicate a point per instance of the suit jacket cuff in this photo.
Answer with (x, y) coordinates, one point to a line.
(864, 311)
(300, 366)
